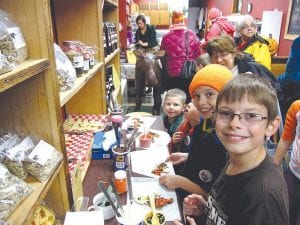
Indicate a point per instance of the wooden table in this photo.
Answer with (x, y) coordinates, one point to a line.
(103, 170)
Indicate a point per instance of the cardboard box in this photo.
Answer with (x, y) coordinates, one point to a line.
(102, 145)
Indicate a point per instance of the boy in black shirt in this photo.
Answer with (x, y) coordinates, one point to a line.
(251, 190)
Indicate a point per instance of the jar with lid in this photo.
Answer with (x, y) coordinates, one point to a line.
(72, 50)
(91, 51)
(120, 181)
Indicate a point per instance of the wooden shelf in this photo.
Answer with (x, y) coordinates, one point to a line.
(87, 163)
(22, 72)
(111, 56)
(79, 83)
(23, 213)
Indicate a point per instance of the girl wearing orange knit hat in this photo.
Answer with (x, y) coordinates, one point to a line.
(208, 156)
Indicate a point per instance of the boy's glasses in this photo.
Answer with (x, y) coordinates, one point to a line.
(245, 118)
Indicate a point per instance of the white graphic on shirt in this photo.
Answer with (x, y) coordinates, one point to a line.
(215, 215)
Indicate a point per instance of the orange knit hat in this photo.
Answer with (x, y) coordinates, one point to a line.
(177, 17)
(214, 13)
(212, 75)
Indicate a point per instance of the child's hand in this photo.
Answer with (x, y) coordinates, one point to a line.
(177, 158)
(169, 181)
(189, 219)
(177, 137)
(193, 205)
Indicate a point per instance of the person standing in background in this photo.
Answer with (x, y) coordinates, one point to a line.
(145, 36)
(145, 39)
(174, 43)
(250, 42)
(219, 25)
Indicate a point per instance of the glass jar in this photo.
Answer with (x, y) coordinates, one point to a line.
(72, 50)
(91, 52)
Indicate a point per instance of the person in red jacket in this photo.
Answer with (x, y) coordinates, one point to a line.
(219, 25)
(176, 53)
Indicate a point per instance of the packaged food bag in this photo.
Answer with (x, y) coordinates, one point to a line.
(12, 191)
(12, 42)
(14, 157)
(66, 73)
(7, 142)
(42, 161)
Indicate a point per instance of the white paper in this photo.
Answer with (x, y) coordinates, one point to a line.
(269, 19)
(144, 161)
(84, 217)
(142, 186)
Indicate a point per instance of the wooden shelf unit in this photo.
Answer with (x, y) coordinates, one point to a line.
(23, 214)
(30, 101)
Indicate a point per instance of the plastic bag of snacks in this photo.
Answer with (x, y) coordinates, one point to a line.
(12, 191)
(15, 156)
(5, 66)
(42, 161)
(65, 71)
(12, 42)
(7, 142)
(43, 215)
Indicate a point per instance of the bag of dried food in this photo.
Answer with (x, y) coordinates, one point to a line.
(12, 191)
(5, 66)
(7, 142)
(12, 42)
(66, 73)
(15, 156)
(42, 161)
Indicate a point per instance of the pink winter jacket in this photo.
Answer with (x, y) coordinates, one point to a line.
(174, 44)
(218, 27)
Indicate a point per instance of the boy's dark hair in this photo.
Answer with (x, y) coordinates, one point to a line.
(255, 88)
(142, 18)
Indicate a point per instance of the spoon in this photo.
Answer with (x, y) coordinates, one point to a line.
(154, 220)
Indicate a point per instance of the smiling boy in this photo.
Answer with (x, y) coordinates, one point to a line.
(207, 156)
(251, 190)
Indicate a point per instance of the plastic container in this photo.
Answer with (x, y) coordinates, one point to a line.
(120, 181)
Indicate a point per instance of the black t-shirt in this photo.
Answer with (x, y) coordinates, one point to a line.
(207, 157)
(255, 197)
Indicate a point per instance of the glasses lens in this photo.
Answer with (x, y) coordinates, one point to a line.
(244, 118)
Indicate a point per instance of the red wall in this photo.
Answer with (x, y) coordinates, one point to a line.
(258, 7)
